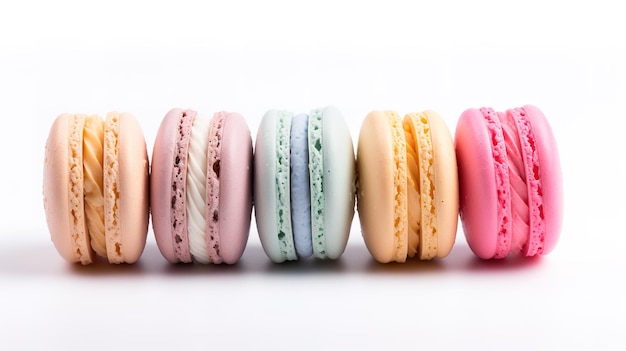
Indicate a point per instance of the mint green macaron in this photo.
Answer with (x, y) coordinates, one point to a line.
(331, 166)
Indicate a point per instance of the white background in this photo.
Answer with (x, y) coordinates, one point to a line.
(146, 58)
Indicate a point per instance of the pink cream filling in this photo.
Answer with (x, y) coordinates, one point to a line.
(517, 178)
(501, 169)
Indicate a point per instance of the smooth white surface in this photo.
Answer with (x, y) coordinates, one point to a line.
(338, 181)
(146, 58)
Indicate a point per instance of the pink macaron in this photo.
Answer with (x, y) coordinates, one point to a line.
(201, 187)
(511, 197)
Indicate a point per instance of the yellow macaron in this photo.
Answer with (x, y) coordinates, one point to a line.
(407, 195)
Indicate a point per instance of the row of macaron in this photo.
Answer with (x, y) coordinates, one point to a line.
(410, 180)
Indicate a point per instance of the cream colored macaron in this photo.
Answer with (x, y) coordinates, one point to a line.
(95, 187)
(407, 195)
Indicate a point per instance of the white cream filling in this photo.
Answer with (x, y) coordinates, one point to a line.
(196, 189)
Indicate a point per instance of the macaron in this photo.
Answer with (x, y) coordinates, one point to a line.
(201, 187)
(510, 182)
(304, 184)
(95, 187)
(407, 195)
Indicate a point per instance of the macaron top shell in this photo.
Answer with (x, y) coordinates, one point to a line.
(235, 174)
(446, 183)
(134, 194)
(339, 181)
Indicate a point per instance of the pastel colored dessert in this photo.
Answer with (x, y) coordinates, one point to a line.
(304, 184)
(95, 187)
(407, 194)
(511, 192)
(201, 187)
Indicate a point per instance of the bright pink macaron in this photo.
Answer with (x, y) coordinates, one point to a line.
(511, 197)
(201, 187)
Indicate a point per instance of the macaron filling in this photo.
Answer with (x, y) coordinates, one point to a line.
(413, 192)
(196, 190)
(93, 140)
(316, 170)
(518, 188)
(300, 186)
(178, 215)
(416, 125)
(213, 186)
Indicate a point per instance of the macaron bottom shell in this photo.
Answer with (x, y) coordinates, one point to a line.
(339, 181)
(235, 169)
